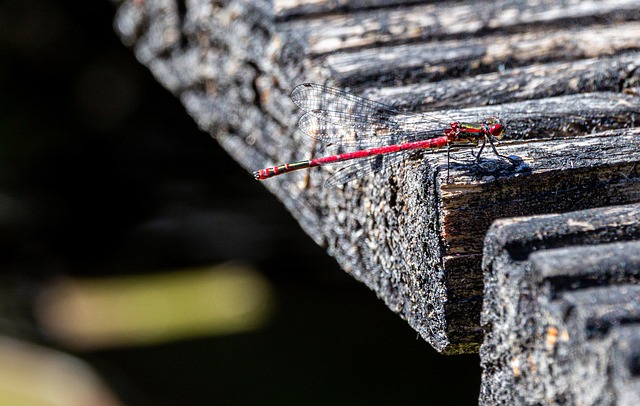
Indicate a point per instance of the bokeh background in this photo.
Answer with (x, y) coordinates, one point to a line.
(140, 265)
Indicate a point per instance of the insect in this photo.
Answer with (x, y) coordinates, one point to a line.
(380, 134)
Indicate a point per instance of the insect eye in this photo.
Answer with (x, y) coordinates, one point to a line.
(496, 130)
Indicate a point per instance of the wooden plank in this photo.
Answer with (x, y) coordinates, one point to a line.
(409, 235)
(431, 61)
(519, 84)
(290, 9)
(378, 28)
(562, 309)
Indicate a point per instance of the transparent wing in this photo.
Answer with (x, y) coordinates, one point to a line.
(338, 117)
(360, 135)
(340, 107)
(363, 167)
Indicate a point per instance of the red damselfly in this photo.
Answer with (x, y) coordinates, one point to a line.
(380, 133)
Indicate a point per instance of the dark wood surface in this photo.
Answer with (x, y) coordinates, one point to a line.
(563, 76)
(562, 309)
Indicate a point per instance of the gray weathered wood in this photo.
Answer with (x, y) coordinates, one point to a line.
(562, 309)
(563, 75)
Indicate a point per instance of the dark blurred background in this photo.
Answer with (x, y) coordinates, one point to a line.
(109, 192)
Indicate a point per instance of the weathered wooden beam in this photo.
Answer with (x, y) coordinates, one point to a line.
(408, 234)
(562, 309)
(533, 23)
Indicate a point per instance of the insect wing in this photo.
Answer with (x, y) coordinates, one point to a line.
(340, 107)
(360, 135)
(364, 167)
(341, 118)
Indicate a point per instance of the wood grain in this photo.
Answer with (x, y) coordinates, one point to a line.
(561, 308)
(563, 76)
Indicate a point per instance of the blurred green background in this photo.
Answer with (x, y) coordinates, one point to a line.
(118, 223)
